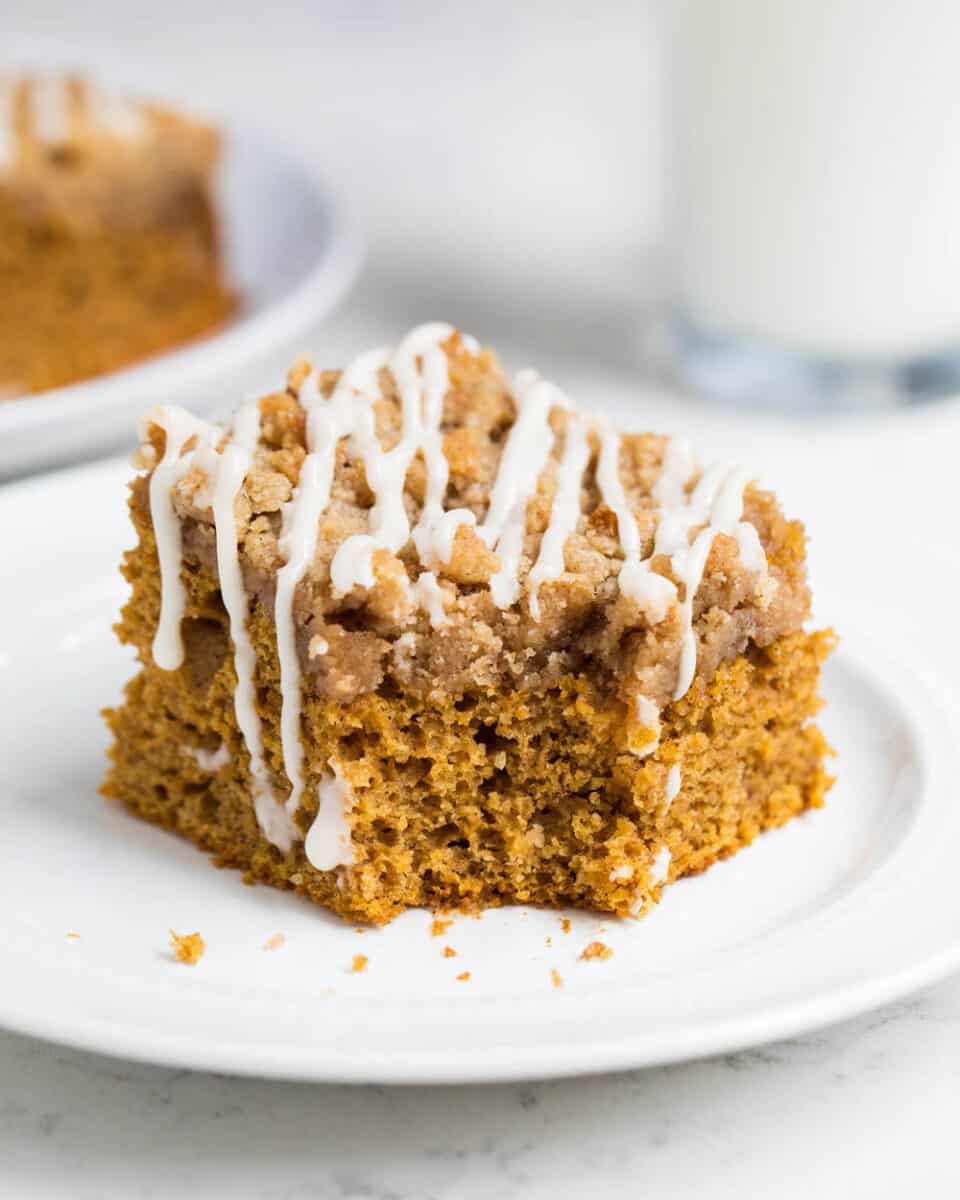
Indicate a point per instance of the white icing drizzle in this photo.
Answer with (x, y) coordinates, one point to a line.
(209, 760)
(649, 717)
(652, 593)
(118, 116)
(524, 457)
(434, 533)
(386, 470)
(232, 467)
(673, 787)
(429, 595)
(661, 867)
(349, 413)
(297, 543)
(328, 844)
(564, 512)
(716, 503)
(50, 110)
(179, 427)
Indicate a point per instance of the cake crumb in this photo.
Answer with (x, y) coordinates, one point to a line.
(555, 977)
(275, 942)
(596, 950)
(565, 924)
(359, 963)
(464, 976)
(188, 948)
(549, 941)
(449, 952)
(73, 937)
(438, 928)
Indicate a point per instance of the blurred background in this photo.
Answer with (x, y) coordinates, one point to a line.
(501, 158)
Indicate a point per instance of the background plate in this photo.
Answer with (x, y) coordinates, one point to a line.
(844, 909)
(291, 251)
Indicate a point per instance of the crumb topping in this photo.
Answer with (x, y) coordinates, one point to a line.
(355, 639)
(420, 523)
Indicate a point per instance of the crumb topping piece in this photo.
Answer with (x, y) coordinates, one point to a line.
(359, 964)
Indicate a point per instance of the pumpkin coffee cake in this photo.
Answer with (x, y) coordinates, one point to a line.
(109, 247)
(416, 634)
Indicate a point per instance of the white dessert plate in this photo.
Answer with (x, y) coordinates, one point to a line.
(842, 910)
(291, 251)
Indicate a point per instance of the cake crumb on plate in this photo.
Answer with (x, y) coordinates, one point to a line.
(449, 952)
(439, 927)
(188, 948)
(73, 937)
(359, 964)
(555, 977)
(565, 924)
(596, 950)
(275, 942)
(463, 977)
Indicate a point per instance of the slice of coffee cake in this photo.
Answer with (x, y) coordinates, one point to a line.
(109, 242)
(415, 634)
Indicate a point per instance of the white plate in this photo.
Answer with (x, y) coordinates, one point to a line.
(292, 253)
(844, 909)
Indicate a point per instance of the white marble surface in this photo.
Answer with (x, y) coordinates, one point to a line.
(504, 160)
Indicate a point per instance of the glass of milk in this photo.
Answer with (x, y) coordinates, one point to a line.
(814, 198)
